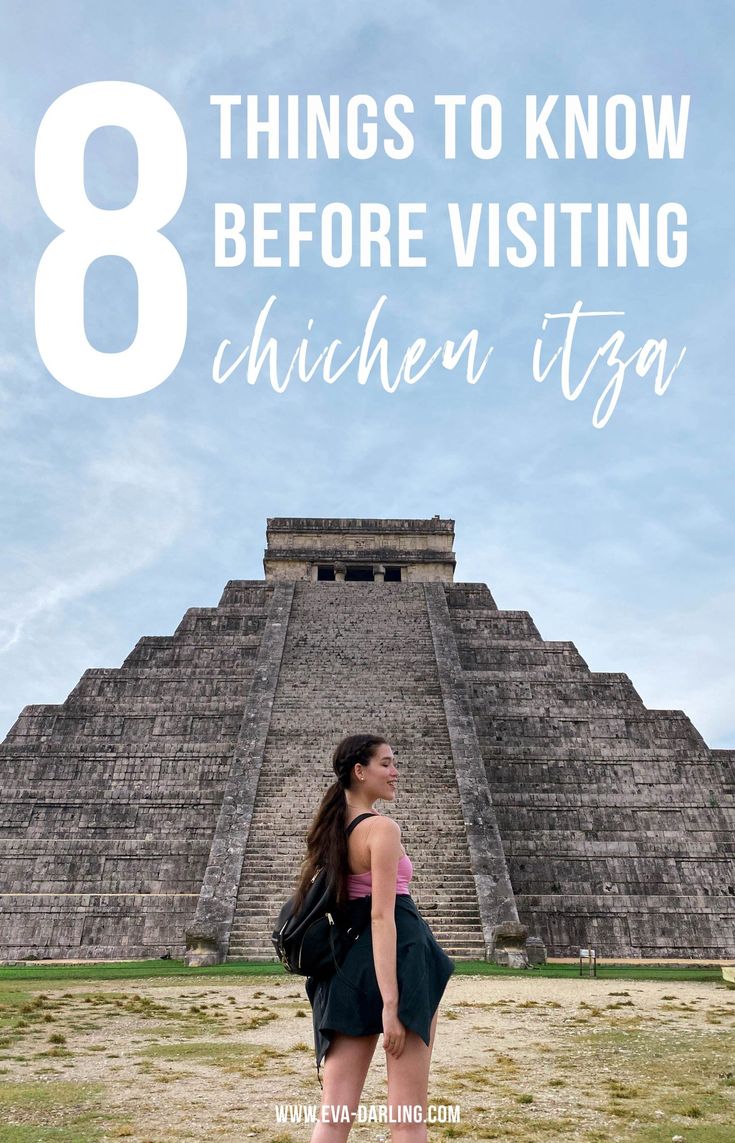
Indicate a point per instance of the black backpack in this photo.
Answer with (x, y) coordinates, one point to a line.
(314, 940)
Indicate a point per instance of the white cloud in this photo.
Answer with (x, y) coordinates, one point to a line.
(112, 515)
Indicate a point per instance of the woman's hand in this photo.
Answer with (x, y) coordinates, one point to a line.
(394, 1033)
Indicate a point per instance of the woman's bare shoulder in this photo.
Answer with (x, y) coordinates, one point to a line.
(383, 828)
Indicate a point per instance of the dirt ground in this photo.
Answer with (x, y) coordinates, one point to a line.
(526, 1059)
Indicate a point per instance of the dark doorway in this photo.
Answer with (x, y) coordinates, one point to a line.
(363, 574)
(325, 573)
(392, 575)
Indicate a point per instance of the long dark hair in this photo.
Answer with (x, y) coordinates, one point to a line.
(326, 843)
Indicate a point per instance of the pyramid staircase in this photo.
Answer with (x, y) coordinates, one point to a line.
(358, 658)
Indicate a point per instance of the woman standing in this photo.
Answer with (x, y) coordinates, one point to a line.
(394, 975)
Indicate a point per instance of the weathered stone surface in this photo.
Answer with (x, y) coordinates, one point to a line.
(509, 945)
(535, 951)
(110, 800)
(212, 926)
(298, 547)
(487, 860)
(617, 821)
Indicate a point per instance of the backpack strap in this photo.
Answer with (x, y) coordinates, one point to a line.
(357, 820)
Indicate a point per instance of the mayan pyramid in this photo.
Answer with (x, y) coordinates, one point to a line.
(163, 806)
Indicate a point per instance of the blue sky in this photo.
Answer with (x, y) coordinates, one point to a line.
(117, 515)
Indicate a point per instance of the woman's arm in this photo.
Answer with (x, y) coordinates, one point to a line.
(384, 846)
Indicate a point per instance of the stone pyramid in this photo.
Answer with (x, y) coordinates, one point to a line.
(163, 806)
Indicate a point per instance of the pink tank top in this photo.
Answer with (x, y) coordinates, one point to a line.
(361, 884)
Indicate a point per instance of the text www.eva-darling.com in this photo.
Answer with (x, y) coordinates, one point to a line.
(366, 1113)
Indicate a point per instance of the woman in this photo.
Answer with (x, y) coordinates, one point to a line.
(394, 975)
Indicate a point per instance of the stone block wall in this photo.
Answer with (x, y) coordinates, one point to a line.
(617, 821)
(110, 799)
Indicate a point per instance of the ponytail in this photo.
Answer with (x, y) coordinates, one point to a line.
(326, 841)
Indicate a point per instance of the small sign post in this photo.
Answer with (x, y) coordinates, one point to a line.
(588, 957)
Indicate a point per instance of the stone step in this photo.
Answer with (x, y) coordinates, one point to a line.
(471, 945)
(458, 954)
(433, 912)
(465, 935)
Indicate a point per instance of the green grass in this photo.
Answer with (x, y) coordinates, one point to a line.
(50, 1112)
(134, 970)
(682, 1072)
(617, 971)
(168, 969)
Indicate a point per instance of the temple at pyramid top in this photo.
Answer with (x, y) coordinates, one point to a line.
(379, 551)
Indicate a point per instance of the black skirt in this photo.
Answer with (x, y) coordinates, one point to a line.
(350, 1001)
